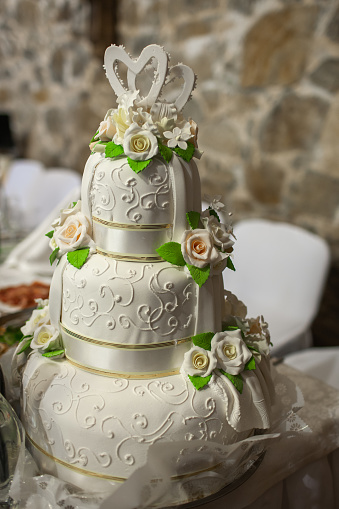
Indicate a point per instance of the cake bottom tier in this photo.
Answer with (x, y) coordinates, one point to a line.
(91, 430)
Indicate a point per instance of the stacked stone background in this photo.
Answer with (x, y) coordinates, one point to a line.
(267, 100)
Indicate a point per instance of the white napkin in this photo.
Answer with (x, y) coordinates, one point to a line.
(31, 255)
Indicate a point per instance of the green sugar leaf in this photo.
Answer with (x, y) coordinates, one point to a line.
(236, 380)
(186, 154)
(171, 252)
(199, 381)
(213, 213)
(94, 137)
(193, 218)
(230, 327)
(54, 255)
(26, 346)
(230, 264)
(252, 348)
(250, 364)
(138, 166)
(26, 337)
(165, 152)
(78, 257)
(203, 340)
(54, 353)
(200, 276)
(113, 150)
(49, 234)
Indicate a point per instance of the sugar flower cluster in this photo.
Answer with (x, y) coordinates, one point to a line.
(39, 334)
(139, 131)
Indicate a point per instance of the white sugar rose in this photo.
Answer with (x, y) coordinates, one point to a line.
(38, 317)
(65, 213)
(140, 144)
(221, 236)
(73, 234)
(234, 306)
(231, 351)
(45, 337)
(198, 249)
(107, 129)
(198, 362)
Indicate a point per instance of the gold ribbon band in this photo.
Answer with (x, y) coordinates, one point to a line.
(111, 477)
(124, 226)
(129, 258)
(130, 376)
(73, 467)
(122, 346)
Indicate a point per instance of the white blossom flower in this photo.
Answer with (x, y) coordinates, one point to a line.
(214, 202)
(198, 249)
(140, 144)
(231, 351)
(178, 137)
(198, 362)
(44, 337)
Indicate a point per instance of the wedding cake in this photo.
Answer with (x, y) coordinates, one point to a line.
(139, 342)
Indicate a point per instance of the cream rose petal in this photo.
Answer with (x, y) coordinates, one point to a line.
(44, 336)
(139, 143)
(197, 248)
(231, 351)
(199, 362)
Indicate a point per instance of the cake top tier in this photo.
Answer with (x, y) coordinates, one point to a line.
(162, 76)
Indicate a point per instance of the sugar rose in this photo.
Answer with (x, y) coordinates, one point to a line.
(73, 234)
(231, 351)
(44, 337)
(198, 249)
(221, 237)
(64, 213)
(140, 144)
(198, 362)
(107, 129)
(38, 317)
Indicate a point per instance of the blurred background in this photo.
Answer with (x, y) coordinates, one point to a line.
(267, 100)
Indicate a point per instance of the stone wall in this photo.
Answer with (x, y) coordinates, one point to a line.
(267, 100)
(51, 82)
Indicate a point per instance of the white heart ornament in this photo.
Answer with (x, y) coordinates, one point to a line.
(134, 67)
(185, 72)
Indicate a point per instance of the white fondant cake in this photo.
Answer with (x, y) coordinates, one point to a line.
(137, 343)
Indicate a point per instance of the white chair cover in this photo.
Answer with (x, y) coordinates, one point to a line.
(280, 273)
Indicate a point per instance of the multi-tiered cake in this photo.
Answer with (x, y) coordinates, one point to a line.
(139, 343)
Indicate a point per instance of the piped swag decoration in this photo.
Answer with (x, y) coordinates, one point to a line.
(221, 354)
(141, 128)
(72, 235)
(205, 248)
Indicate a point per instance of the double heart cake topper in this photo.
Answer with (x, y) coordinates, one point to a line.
(115, 54)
